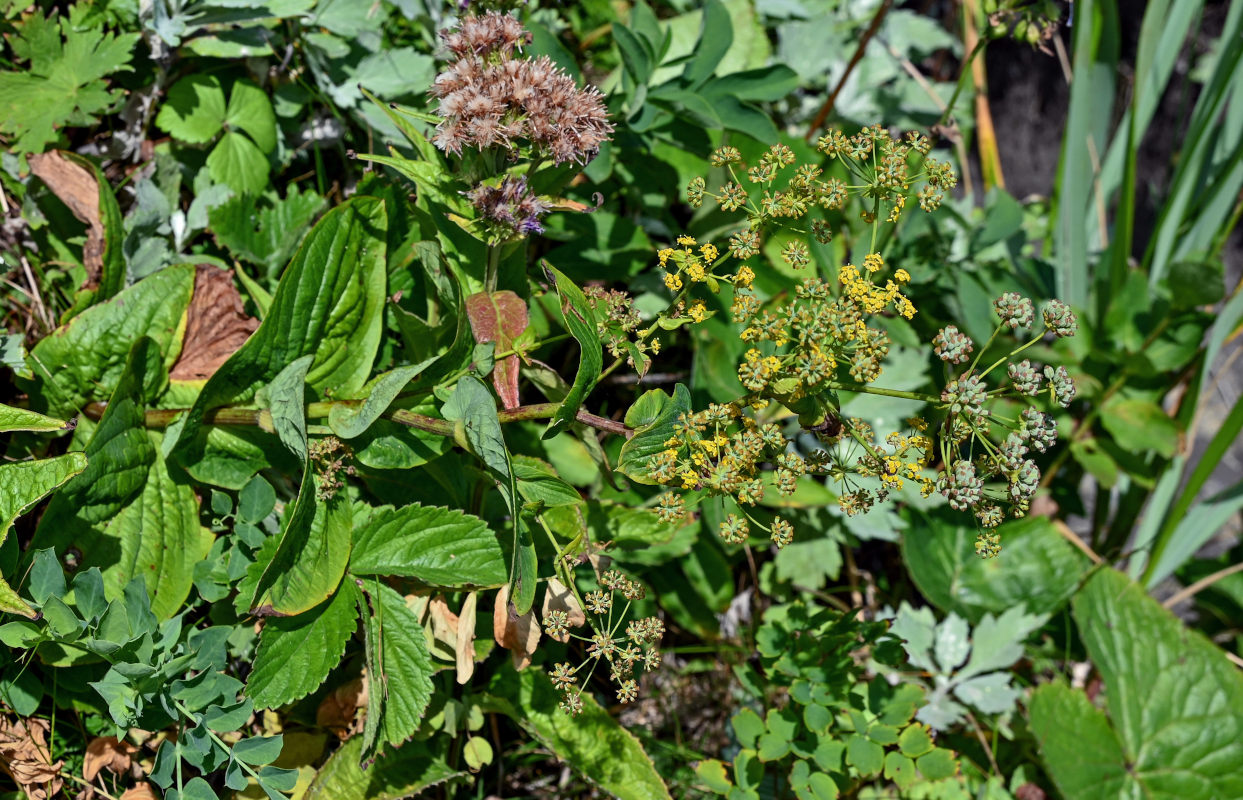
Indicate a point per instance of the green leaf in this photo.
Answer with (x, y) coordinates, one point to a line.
(715, 38)
(937, 764)
(194, 110)
(712, 773)
(257, 750)
(296, 654)
(328, 303)
(400, 670)
(350, 421)
(416, 766)
(899, 769)
(63, 83)
(22, 484)
(1037, 569)
(580, 320)
(914, 741)
(865, 756)
(592, 743)
(312, 556)
(266, 235)
(256, 500)
(127, 513)
(236, 162)
(1175, 702)
(83, 360)
(286, 396)
(748, 727)
(765, 85)
(250, 110)
(1140, 426)
(439, 546)
(652, 417)
(1078, 745)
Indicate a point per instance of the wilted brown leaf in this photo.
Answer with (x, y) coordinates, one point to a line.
(517, 634)
(77, 188)
(216, 325)
(338, 712)
(25, 756)
(558, 598)
(141, 791)
(500, 317)
(444, 621)
(465, 650)
(106, 752)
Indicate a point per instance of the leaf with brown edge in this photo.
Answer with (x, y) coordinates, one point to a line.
(107, 752)
(558, 598)
(500, 317)
(465, 650)
(78, 190)
(519, 634)
(216, 325)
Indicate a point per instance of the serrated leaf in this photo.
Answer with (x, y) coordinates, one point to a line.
(439, 546)
(417, 766)
(1175, 704)
(268, 234)
(328, 303)
(63, 82)
(592, 743)
(399, 667)
(296, 654)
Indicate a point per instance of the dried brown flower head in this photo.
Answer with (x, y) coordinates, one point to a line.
(489, 98)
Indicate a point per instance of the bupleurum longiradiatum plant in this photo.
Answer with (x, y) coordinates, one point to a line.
(828, 337)
(625, 653)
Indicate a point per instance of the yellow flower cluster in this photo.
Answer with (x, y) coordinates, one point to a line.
(871, 298)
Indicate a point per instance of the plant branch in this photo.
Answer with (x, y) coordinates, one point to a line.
(827, 108)
(163, 417)
(1202, 584)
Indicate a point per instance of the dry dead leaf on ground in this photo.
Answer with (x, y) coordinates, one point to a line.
(338, 712)
(106, 752)
(216, 325)
(141, 791)
(519, 634)
(559, 598)
(77, 188)
(25, 756)
(465, 650)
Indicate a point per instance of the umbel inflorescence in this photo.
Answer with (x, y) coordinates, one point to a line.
(830, 336)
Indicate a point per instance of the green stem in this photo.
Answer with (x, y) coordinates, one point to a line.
(163, 417)
(877, 390)
(1039, 337)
